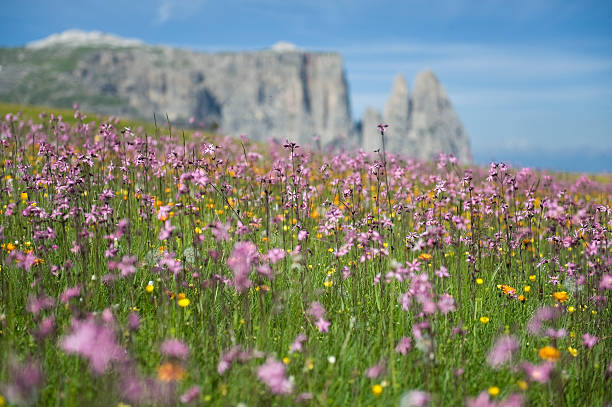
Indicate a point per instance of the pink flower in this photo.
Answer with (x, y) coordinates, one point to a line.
(556, 333)
(133, 321)
(174, 266)
(175, 348)
(95, 341)
(316, 310)
(127, 265)
(415, 398)
(323, 325)
(272, 373)
(242, 258)
(220, 231)
(405, 299)
(346, 272)
(481, 401)
(35, 305)
(404, 345)
(164, 212)
(266, 271)
(377, 370)
(228, 358)
(275, 255)
(442, 272)
(166, 231)
(502, 350)
(304, 397)
(190, 395)
(534, 326)
(69, 293)
(538, 373)
(298, 342)
(589, 340)
(606, 282)
(107, 316)
(382, 128)
(45, 328)
(28, 261)
(446, 304)
(26, 379)
(513, 400)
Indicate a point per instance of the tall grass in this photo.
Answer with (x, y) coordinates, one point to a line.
(368, 237)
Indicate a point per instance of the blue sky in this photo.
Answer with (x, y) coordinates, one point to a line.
(529, 79)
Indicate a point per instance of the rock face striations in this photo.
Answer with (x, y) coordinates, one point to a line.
(282, 92)
(263, 94)
(421, 124)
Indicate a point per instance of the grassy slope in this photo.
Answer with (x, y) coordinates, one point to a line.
(365, 324)
(33, 112)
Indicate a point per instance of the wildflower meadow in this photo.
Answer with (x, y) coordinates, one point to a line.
(146, 265)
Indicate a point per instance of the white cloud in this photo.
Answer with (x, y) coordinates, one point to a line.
(171, 9)
(481, 75)
(516, 97)
(164, 11)
(472, 59)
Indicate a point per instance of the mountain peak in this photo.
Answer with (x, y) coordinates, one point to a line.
(283, 46)
(427, 79)
(79, 38)
(400, 85)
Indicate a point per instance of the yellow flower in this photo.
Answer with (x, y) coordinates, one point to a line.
(2, 402)
(181, 296)
(571, 309)
(263, 288)
(493, 391)
(183, 302)
(377, 389)
(532, 277)
(484, 320)
(479, 281)
(527, 288)
(549, 353)
(150, 287)
(10, 246)
(522, 298)
(561, 296)
(572, 351)
(169, 372)
(286, 360)
(425, 256)
(522, 384)
(328, 283)
(24, 196)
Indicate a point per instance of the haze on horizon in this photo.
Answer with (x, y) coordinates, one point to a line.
(531, 80)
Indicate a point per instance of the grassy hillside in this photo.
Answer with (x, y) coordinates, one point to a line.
(158, 271)
(35, 113)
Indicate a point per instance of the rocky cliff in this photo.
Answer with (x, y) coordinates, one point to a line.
(421, 124)
(282, 92)
(263, 94)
